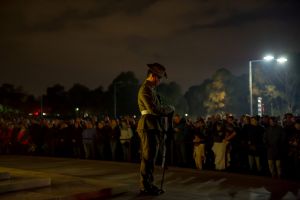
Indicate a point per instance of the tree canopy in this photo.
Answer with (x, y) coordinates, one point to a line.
(223, 92)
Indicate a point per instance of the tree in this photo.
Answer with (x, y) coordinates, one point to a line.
(79, 96)
(171, 95)
(57, 99)
(287, 80)
(195, 97)
(12, 97)
(122, 95)
(217, 91)
(224, 92)
(237, 100)
(96, 100)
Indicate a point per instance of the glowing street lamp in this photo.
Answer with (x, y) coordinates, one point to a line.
(281, 60)
(267, 58)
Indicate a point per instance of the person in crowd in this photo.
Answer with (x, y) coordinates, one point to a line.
(199, 150)
(43, 131)
(149, 127)
(265, 121)
(7, 137)
(230, 135)
(243, 144)
(274, 139)
(231, 120)
(23, 139)
(125, 139)
(50, 133)
(233, 132)
(76, 138)
(189, 135)
(201, 132)
(219, 146)
(135, 142)
(255, 145)
(288, 124)
(106, 131)
(37, 135)
(2, 136)
(13, 131)
(209, 141)
(88, 139)
(61, 146)
(114, 138)
(101, 139)
(179, 126)
(294, 151)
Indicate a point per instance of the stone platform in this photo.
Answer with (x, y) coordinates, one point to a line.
(49, 178)
(78, 179)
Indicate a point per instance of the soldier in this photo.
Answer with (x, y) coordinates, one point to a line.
(149, 127)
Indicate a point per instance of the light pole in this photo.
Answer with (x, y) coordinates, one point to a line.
(267, 58)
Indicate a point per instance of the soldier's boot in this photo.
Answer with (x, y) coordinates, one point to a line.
(152, 191)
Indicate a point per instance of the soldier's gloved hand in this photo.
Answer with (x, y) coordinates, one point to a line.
(173, 108)
(165, 136)
(170, 109)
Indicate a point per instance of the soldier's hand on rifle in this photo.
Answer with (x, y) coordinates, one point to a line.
(165, 137)
(169, 109)
(172, 108)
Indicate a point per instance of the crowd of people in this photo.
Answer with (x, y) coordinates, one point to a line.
(87, 138)
(250, 144)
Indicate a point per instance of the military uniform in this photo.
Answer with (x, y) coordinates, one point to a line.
(149, 130)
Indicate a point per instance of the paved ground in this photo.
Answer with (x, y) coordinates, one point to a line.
(91, 179)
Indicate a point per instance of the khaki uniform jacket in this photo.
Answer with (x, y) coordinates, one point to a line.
(148, 100)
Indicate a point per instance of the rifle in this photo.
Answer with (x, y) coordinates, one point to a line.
(167, 132)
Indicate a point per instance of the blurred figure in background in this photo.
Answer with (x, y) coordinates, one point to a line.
(219, 146)
(200, 139)
(229, 140)
(114, 138)
(255, 145)
(179, 127)
(274, 139)
(76, 138)
(199, 151)
(125, 137)
(101, 139)
(88, 139)
(23, 140)
(294, 151)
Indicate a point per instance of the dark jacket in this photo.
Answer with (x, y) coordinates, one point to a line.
(255, 140)
(274, 139)
(148, 100)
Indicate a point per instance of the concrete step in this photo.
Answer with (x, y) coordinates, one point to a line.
(36, 185)
(4, 176)
(73, 191)
(23, 184)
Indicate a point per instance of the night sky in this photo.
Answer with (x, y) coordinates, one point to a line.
(43, 42)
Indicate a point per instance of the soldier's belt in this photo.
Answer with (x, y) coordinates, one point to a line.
(145, 112)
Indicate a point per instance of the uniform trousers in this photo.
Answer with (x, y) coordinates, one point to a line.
(149, 147)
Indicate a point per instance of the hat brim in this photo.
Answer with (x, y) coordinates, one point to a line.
(158, 70)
